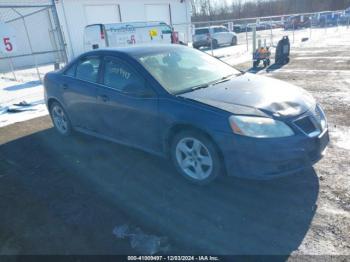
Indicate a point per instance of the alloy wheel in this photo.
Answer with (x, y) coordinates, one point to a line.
(60, 119)
(194, 158)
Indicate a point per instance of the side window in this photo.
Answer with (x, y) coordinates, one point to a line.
(120, 76)
(219, 30)
(87, 69)
(70, 71)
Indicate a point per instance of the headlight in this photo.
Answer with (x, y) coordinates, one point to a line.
(321, 117)
(260, 127)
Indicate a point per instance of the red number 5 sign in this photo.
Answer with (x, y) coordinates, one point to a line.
(7, 39)
(8, 45)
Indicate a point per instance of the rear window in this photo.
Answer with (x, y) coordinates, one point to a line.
(202, 31)
(166, 29)
(87, 69)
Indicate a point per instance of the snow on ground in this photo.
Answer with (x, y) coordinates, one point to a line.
(22, 99)
(317, 37)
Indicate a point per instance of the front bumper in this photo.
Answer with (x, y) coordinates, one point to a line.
(269, 158)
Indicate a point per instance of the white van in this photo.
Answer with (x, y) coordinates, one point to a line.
(124, 34)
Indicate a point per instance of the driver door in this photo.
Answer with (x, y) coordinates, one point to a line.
(127, 106)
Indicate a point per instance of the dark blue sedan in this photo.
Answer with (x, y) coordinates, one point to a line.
(177, 102)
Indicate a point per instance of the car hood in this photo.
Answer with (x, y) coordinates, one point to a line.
(250, 94)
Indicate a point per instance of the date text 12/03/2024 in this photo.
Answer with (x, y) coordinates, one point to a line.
(173, 258)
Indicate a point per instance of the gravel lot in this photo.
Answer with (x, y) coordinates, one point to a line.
(67, 195)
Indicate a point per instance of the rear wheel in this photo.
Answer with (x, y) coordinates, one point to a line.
(215, 44)
(234, 41)
(60, 119)
(195, 157)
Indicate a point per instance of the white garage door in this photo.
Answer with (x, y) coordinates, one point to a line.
(99, 14)
(158, 12)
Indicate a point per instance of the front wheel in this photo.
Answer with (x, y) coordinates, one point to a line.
(195, 157)
(60, 119)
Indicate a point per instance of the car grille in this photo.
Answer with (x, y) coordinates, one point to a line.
(311, 124)
(306, 125)
(318, 114)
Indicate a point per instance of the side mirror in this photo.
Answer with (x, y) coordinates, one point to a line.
(139, 90)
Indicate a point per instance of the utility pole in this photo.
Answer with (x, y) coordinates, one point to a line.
(59, 31)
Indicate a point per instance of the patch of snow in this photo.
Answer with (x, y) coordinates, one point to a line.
(20, 101)
(341, 137)
(323, 57)
(143, 243)
(311, 71)
(28, 74)
(319, 39)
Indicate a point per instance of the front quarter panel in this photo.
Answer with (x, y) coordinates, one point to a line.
(179, 111)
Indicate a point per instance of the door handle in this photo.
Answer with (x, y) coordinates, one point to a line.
(104, 98)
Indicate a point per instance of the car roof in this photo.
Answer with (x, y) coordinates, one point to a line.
(137, 50)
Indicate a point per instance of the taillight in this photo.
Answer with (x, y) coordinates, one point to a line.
(102, 33)
(175, 37)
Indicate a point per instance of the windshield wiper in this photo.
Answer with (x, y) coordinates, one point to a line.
(200, 86)
(193, 88)
(223, 79)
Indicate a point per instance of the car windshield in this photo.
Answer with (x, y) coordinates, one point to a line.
(181, 70)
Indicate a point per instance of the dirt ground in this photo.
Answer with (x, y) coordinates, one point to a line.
(66, 195)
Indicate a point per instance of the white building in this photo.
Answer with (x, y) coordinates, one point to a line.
(34, 31)
(74, 15)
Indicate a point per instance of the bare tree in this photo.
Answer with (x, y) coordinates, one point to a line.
(213, 10)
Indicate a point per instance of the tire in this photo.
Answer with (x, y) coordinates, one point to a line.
(60, 119)
(215, 44)
(234, 41)
(195, 157)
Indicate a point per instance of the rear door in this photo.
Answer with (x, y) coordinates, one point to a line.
(127, 106)
(226, 35)
(201, 34)
(218, 35)
(79, 91)
(94, 37)
(159, 33)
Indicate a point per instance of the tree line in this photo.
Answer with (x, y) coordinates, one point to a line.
(206, 10)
